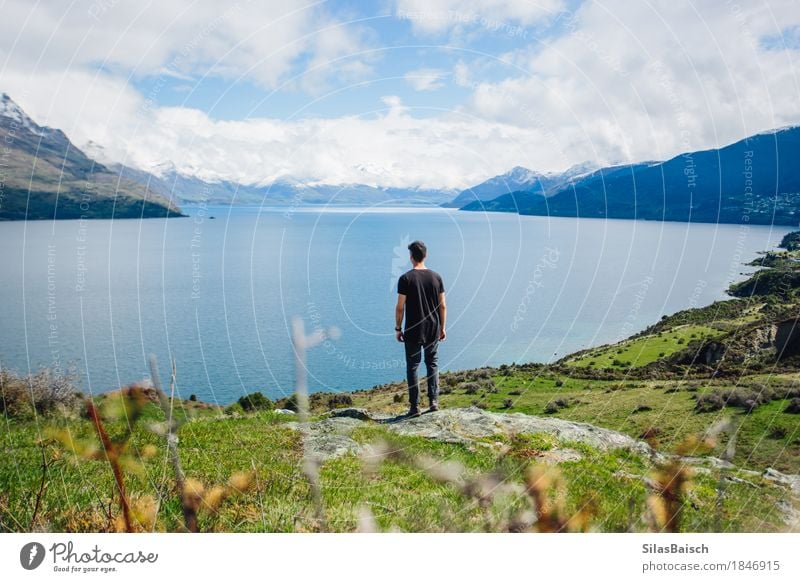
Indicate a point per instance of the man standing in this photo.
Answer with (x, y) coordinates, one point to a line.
(420, 296)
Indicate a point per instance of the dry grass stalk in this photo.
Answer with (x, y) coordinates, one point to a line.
(310, 464)
(112, 452)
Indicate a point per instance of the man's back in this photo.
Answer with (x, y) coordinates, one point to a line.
(422, 288)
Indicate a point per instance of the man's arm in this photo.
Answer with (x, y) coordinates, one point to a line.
(442, 317)
(399, 310)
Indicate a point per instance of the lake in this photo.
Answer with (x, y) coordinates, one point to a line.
(219, 295)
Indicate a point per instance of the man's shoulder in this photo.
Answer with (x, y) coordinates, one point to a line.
(435, 275)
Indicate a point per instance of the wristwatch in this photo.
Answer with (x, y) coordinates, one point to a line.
(398, 329)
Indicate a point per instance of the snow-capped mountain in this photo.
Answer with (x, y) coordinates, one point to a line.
(519, 178)
(46, 176)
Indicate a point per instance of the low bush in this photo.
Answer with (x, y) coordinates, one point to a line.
(42, 393)
(710, 402)
(255, 401)
(339, 400)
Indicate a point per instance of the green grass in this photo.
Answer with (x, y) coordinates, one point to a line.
(619, 405)
(643, 350)
(78, 496)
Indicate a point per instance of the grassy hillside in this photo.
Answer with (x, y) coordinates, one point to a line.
(79, 493)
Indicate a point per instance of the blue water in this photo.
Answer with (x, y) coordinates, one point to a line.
(219, 295)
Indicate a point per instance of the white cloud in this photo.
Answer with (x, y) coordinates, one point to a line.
(436, 16)
(259, 40)
(639, 81)
(392, 149)
(643, 81)
(426, 79)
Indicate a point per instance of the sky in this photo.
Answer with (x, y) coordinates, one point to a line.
(399, 93)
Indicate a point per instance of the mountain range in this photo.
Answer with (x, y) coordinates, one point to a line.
(191, 190)
(519, 179)
(755, 180)
(43, 175)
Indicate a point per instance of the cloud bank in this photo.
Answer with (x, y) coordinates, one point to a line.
(610, 82)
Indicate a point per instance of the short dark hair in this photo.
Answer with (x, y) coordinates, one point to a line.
(418, 250)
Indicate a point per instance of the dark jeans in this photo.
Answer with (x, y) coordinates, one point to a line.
(414, 353)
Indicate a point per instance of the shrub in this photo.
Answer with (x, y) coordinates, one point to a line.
(339, 400)
(559, 383)
(452, 380)
(470, 387)
(234, 409)
(289, 403)
(508, 403)
(515, 393)
(746, 398)
(551, 407)
(793, 407)
(400, 396)
(709, 402)
(255, 401)
(42, 393)
(649, 433)
(778, 432)
(193, 398)
(642, 408)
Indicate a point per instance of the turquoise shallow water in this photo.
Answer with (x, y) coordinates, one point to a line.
(219, 295)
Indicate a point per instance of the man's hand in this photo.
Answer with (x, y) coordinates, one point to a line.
(442, 335)
(399, 310)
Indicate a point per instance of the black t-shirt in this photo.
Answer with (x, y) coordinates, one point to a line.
(421, 288)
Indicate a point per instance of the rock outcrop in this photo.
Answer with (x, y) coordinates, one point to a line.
(331, 436)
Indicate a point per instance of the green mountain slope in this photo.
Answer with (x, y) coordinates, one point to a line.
(45, 176)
